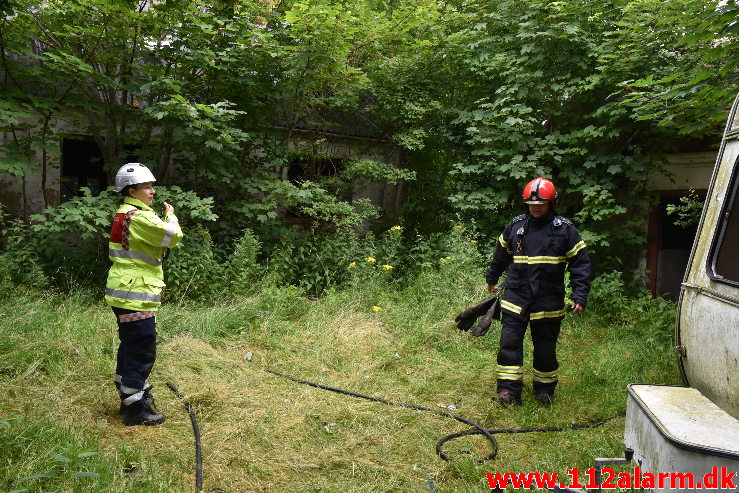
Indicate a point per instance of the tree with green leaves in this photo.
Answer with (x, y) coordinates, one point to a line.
(690, 88)
(549, 88)
(475, 96)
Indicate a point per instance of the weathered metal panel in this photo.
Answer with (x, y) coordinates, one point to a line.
(708, 332)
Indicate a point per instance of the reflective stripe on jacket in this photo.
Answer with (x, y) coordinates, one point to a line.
(536, 253)
(138, 238)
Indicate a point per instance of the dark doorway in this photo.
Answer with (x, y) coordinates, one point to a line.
(319, 169)
(314, 168)
(82, 166)
(670, 246)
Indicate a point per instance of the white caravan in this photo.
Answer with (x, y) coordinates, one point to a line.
(693, 431)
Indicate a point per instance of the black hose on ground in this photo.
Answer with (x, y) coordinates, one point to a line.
(479, 430)
(577, 426)
(431, 485)
(196, 431)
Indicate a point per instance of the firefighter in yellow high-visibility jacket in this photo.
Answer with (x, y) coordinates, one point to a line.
(138, 238)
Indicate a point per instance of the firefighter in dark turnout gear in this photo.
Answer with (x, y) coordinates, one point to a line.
(536, 248)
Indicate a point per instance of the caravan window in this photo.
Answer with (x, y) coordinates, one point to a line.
(723, 264)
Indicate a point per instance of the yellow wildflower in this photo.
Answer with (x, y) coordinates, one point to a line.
(371, 259)
(376, 308)
(396, 228)
(446, 259)
(458, 226)
(353, 264)
(474, 242)
(387, 267)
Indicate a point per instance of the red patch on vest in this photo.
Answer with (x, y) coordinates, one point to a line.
(121, 225)
(116, 231)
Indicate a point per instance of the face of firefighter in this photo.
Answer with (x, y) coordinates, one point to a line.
(538, 210)
(144, 192)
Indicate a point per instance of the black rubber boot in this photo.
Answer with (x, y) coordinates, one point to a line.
(139, 413)
(507, 398)
(148, 398)
(544, 398)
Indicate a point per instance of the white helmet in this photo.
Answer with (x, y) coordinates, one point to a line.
(132, 174)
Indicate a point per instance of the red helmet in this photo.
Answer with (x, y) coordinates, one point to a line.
(539, 191)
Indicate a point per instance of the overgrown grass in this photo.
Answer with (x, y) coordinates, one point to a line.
(263, 433)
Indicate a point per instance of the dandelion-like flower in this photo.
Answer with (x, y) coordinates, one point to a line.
(474, 242)
(387, 267)
(371, 260)
(396, 228)
(376, 308)
(458, 226)
(353, 264)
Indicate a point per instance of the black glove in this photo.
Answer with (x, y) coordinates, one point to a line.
(467, 318)
(484, 325)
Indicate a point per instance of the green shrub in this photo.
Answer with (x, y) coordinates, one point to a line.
(68, 245)
(627, 303)
(316, 260)
(243, 268)
(191, 269)
(611, 295)
(19, 261)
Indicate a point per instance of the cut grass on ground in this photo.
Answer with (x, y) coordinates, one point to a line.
(262, 433)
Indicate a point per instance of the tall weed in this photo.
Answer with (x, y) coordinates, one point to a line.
(446, 265)
(316, 260)
(191, 269)
(627, 303)
(20, 264)
(243, 268)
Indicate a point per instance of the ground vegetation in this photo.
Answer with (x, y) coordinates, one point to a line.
(380, 335)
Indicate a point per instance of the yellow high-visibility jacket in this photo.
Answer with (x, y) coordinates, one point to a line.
(138, 238)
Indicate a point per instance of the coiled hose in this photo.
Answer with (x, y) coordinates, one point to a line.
(479, 430)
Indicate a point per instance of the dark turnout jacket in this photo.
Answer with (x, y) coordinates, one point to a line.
(536, 251)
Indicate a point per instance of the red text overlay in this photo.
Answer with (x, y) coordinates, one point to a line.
(718, 479)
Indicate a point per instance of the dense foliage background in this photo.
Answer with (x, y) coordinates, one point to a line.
(477, 97)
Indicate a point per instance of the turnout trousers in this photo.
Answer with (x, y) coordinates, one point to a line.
(136, 353)
(544, 334)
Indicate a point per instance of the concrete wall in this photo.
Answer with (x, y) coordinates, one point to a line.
(684, 171)
(23, 195)
(384, 195)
